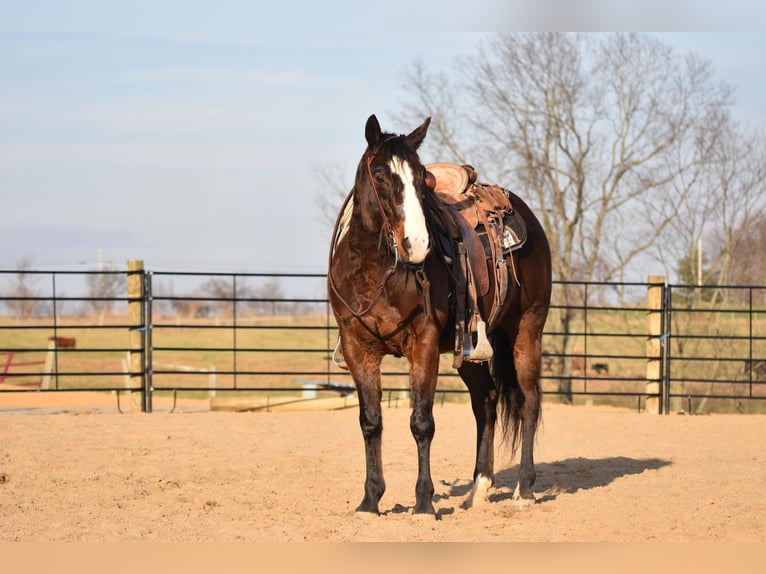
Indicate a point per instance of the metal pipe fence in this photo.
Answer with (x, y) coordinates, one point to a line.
(652, 346)
(716, 346)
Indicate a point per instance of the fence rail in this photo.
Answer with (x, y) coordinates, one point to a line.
(652, 345)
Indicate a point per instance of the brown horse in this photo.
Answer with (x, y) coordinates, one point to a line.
(392, 293)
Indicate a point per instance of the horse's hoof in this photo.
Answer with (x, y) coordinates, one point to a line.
(479, 494)
(521, 503)
(365, 515)
(368, 508)
(425, 509)
(524, 500)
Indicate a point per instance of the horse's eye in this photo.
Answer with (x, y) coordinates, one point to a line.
(379, 178)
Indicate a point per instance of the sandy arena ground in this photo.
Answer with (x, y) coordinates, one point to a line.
(604, 475)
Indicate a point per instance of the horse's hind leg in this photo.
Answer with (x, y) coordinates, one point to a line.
(481, 386)
(526, 357)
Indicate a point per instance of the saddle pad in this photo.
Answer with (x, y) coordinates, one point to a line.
(514, 232)
(450, 177)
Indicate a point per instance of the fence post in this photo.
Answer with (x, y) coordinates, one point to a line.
(653, 344)
(48, 369)
(136, 322)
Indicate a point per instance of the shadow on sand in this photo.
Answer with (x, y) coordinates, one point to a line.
(560, 477)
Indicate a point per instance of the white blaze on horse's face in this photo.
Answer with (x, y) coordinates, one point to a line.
(415, 240)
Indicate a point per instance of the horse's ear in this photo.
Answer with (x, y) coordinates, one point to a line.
(372, 131)
(419, 134)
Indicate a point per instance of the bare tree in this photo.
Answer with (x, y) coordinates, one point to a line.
(22, 292)
(597, 132)
(738, 180)
(103, 289)
(221, 293)
(269, 295)
(603, 135)
(332, 188)
(748, 259)
(716, 234)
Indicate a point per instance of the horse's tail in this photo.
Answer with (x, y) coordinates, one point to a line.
(511, 397)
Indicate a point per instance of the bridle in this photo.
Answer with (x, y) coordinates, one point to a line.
(392, 246)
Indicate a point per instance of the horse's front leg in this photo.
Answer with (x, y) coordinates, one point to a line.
(371, 423)
(366, 373)
(424, 367)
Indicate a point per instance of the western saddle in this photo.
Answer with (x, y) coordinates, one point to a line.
(474, 226)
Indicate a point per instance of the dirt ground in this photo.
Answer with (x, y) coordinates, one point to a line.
(91, 474)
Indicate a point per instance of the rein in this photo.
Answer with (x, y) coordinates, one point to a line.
(392, 245)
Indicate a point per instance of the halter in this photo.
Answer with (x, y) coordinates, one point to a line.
(392, 245)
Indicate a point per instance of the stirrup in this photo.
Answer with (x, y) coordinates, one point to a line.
(483, 350)
(337, 356)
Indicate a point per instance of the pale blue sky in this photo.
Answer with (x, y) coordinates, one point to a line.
(185, 133)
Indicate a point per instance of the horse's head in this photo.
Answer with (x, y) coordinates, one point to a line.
(390, 182)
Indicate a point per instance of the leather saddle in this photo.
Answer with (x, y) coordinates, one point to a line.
(456, 186)
(476, 228)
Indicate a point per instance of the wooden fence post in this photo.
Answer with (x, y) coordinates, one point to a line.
(653, 344)
(50, 357)
(136, 323)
